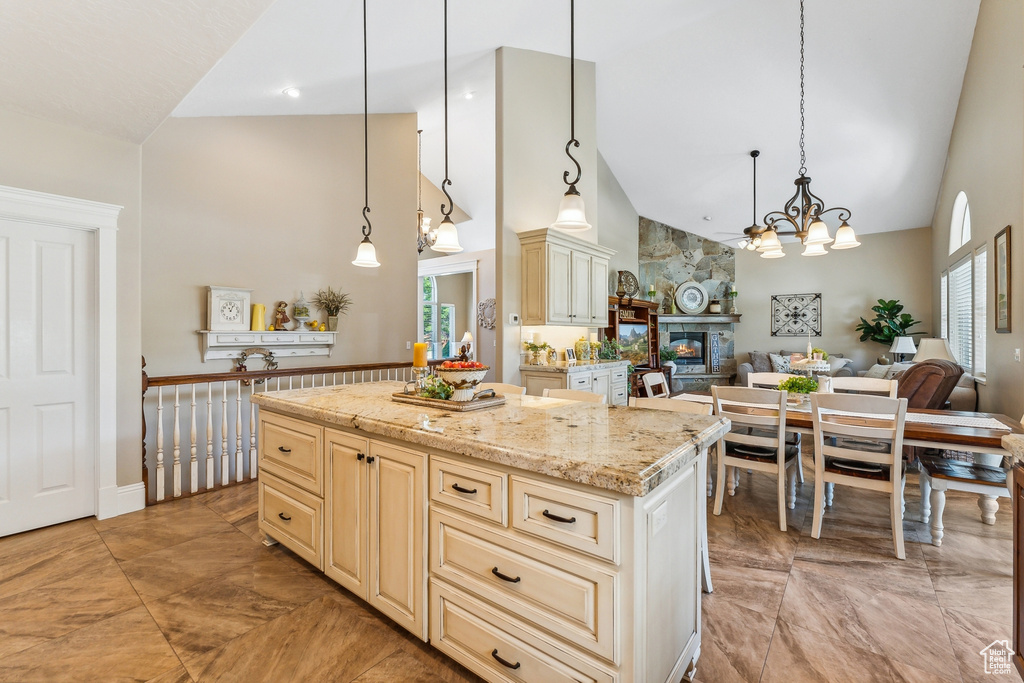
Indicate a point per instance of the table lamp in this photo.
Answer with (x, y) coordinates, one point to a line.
(467, 345)
(902, 346)
(932, 349)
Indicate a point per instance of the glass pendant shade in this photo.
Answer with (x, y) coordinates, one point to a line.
(447, 238)
(366, 257)
(845, 237)
(817, 233)
(773, 253)
(814, 250)
(769, 241)
(571, 214)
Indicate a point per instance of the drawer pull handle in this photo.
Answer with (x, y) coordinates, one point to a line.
(369, 460)
(463, 490)
(284, 450)
(563, 520)
(360, 456)
(285, 517)
(503, 662)
(505, 577)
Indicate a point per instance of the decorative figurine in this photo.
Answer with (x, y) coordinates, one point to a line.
(300, 310)
(281, 316)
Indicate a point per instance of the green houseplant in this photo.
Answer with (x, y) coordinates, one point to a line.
(798, 385)
(333, 303)
(889, 322)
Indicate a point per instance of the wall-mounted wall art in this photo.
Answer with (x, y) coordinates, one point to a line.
(796, 315)
(1003, 280)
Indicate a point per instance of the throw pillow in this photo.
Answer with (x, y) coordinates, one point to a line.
(895, 369)
(779, 363)
(837, 363)
(759, 362)
(877, 371)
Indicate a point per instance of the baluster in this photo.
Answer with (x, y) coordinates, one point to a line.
(238, 432)
(279, 384)
(160, 444)
(225, 467)
(193, 469)
(210, 481)
(302, 381)
(176, 465)
(290, 382)
(252, 432)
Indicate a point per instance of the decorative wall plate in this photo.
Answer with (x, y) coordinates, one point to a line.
(487, 313)
(691, 297)
(628, 285)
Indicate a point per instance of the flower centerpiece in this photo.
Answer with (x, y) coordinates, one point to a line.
(799, 385)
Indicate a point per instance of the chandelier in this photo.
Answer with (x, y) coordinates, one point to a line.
(802, 215)
(366, 256)
(447, 238)
(572, 216)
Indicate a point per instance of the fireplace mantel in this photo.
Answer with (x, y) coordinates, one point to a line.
(722, 318)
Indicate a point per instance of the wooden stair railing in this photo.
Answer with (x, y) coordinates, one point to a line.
(218, 470)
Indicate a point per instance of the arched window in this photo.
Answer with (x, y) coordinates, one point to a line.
(960, 223)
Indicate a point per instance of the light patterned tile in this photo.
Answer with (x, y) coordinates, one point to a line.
(970, 634)
(758, 589)
(399, 666)
(234, 502)
(734, 642)
(50, 560)
(135, 540)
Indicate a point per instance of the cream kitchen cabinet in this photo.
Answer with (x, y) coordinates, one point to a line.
(565, 280)
(609, 379)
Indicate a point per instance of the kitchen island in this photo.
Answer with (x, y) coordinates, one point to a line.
(540, 540)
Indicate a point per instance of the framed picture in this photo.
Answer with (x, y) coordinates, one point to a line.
(1003, 280)
(570, 355)
(796, 315)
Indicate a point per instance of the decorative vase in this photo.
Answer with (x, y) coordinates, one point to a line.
(715, 306)
(582, 349)
(332, 323)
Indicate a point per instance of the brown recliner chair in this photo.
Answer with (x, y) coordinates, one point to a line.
(928, 384)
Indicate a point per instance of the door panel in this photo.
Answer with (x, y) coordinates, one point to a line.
(48, 324)
(347, 514)
(559, 284)
(581, 289)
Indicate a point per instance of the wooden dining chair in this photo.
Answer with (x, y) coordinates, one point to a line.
(502, 388)
(692, 407)
(839, 459)
(757, 441)
(767, 380)
(865, 385)
(576, 395)
(655, 385)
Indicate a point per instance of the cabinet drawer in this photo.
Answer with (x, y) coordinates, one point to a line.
(279, 338)
(478, 491)
(290, 449)
(581, 381)
(570, 599)
(314, 338)
(620, 376)
(577, 520)
(620, 395)
(293, 517)
(234, 338)
(476, 635)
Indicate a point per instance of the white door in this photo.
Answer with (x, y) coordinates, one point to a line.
(48, 383)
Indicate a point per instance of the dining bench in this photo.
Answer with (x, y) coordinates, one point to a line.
(940, 474)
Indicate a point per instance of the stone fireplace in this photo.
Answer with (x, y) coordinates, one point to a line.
(694, 338)
(690, 347)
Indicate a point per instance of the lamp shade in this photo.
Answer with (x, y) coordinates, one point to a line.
(934, 349)
(447, 238)
(769, 241)
(817, 233)
(845, 237)
(773, 253)
(814, 250)
(467, 338)
(366, 257)
(903, 345)
(572, 216)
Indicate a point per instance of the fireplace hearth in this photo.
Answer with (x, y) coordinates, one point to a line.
(690, 347)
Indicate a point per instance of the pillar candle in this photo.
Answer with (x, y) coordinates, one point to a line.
(419, 355)
(259, 322)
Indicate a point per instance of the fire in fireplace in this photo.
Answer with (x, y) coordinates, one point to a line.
(689, 347)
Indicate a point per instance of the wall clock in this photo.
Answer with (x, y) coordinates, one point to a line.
(691, 297)
(228, 308)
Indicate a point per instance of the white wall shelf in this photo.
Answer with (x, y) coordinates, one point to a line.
(221, 345)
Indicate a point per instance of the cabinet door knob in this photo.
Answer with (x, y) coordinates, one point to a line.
(284, 450)
(463, 490)
(369, 460)
(284, 516)
(557, 518)
(505, 577)
(503, 662)
(360, 456)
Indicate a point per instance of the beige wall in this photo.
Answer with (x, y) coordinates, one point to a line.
(985, 161)
(49, 157)
(620, 224)
(887, 265)
(274, 204)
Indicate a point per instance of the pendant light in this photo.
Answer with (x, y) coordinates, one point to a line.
(801, 216)
(447, 239)
(571, 214)
(366, 257)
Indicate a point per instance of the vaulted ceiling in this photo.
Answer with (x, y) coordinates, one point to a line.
(686, 88)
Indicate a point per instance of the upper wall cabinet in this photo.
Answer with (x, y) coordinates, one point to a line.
(565, 280)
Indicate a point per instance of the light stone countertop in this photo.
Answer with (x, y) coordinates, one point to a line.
(628, 450)
(580, 366)
(1014, 443)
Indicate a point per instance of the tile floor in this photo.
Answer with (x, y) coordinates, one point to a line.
(184, 592)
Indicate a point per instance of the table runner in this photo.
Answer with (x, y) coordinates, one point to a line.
(920, 418)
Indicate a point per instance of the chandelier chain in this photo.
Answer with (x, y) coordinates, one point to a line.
(803, 154)
(446, 209)
(366, 144)
(419, 170)
(573, 142)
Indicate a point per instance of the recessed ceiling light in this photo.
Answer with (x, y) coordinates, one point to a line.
(469, 94)
(292, 92)
(707, 218)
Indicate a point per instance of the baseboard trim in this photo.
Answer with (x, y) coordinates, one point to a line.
(120, 500)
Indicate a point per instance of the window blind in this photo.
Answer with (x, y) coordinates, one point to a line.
(980, 306)
(944, 305)
(960, 311)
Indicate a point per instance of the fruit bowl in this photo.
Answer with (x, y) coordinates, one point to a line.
(463, 381)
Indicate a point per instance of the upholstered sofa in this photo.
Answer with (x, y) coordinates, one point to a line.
(744, 369)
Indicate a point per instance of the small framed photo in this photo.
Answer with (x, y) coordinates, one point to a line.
(570, 355)
(1003, 275)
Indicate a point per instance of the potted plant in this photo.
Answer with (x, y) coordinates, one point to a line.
(333, 303)
(668, 357)
(799, 385)
(889, 322)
